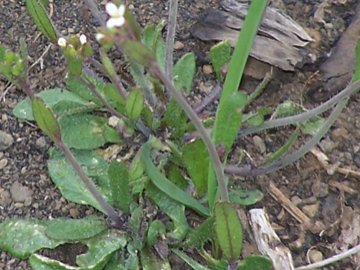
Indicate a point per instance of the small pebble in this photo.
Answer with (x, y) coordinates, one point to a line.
(320, 189)
(20, 193)
(3, 163)
(6, 140)
(327, 145)
(74, 212)
(41, 142)
(207, 69)
(5, 198)
(178, 45)
(311, 210)
(315, 256)
(259, 144)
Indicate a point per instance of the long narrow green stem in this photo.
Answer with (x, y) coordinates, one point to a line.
(352, 88)
(108, 209)
(291, 158)
(156, 72)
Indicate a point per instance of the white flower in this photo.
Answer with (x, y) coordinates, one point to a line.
(83, 39)
(116, 15)
(62, 42)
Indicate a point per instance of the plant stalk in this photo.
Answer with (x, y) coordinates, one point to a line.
(108, 209)
(170, 37)
(155, 70)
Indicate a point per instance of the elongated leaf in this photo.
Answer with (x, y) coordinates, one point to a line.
(254, 262)
(172, 208)
(69, 183)
(85, 131)
(184, 71)
(45, 119)
(196, 159)
(283, 149)
(152, 38)
(60, 101)
(119, 184)
(21, 238)
(356, 75)
(75, 229)
(228, 119)
(170, 189)
(228, 230)
(41, 19)
(134, 103)
(219, 56)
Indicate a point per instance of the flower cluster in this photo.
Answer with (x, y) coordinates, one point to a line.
(116, 15)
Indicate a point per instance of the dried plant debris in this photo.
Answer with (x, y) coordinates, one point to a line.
(280, 41)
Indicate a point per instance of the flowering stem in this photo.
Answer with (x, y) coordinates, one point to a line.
(170, 37)
(156, 71)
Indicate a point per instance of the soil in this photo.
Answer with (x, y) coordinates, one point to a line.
(326, 196)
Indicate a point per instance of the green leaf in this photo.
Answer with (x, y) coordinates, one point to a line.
(156, 228)
(138, 52)
(257, 119)
(41, 19)
(150, 261)
(172, 208)
(68, 181)
(288, 108)
(228, 119)
(184, 71)
(284, 148)
(228, 230)
(75, 229)
(255, 262)
(119, 185)
(170, 189)
(45, 119)
(101, 249)
(356, 75)
(204, 232)
(245, 197)
(60, 101)
(134, 103)
(23, 237)
(107, 64)
(219, 56)
(85, 131)
(77, 87)
(192, 263)
(152, 38)
(175, 118)
(312, 126)
(196, 159)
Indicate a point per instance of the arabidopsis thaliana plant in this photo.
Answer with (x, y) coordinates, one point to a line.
(116, 15)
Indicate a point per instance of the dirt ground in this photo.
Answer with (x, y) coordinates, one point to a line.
(326, 196)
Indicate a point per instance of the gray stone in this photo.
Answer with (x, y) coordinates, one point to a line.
(6, 140)
(20, 193)
(3, 163)
(41, 142)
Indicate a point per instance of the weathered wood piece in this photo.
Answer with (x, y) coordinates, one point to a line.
(279, 42)
(268, 242)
